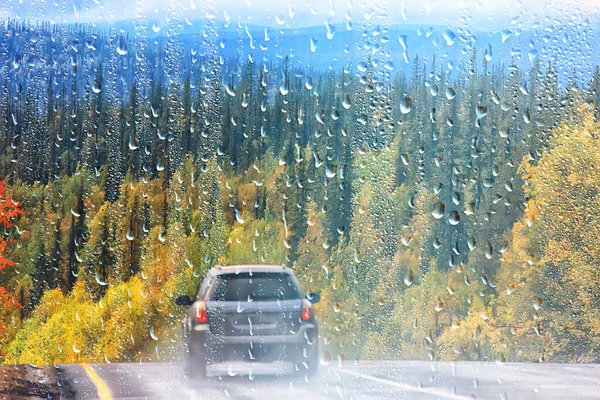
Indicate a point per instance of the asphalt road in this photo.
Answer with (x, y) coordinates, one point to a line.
(350, 380)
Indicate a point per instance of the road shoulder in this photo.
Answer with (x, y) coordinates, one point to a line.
(28, 381)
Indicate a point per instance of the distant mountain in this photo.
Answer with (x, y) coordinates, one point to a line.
(321, 48)
(342, 45)
(393, 49)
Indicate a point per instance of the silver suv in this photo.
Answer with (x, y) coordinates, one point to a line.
(253, 313)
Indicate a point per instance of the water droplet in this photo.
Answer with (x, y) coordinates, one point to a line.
(489, 252)
(481, 111)
(313, 45)
(152, 334)
(488, 53)
(433, 90)
(96, 87)
(357, 256)
(537, 304)
(450, 289)
(132, 145)
(406, 105)
(500, 360)
(403, 42)
(229, 89)
(440, 305)
(330, 30)
(470, 208)
(449, 37)
(210, 14)
(471, 243)
(408, 279)
(347, 102)
(532, 54)
(438, 211)
(230, 371)
(454, 218)
(404, 159)
(329, 173)
(238, 216)
(99, 281)
(122, 48)
(326, 359)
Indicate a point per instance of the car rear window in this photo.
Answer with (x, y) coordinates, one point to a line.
(262, 286)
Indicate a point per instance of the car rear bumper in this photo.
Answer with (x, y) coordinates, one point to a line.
(287, 339)
(305, 335)
(268, 348)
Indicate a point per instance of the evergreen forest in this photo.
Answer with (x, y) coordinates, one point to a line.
(443, 212)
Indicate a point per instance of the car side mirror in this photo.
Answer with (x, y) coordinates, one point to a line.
(313, 297)
(183, 301)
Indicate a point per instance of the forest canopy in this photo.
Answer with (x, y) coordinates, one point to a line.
(441, 214)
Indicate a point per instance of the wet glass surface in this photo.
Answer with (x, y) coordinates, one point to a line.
(428, 171)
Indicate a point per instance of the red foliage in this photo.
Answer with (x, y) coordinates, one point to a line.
(10, 209)
(4, 262)
(6, 300)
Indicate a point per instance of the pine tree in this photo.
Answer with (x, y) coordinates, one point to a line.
(114, 173)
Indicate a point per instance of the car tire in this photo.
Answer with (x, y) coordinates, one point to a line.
(313, 361)
(308, 366)
(195, 367)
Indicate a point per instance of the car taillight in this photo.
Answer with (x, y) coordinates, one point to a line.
(306, 310)
(201, 315)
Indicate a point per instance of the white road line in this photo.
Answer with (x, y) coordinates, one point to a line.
(404, 386)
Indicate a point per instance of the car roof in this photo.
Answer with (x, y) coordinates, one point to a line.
(242, 268)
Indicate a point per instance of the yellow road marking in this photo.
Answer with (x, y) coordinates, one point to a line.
(101, 386)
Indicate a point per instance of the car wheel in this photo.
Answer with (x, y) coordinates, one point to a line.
(195, 367)
(308, 366)
(313, 361)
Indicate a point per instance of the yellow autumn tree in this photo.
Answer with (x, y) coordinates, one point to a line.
(548, 302)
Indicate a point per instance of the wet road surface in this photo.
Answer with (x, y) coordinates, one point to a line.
(350, 380)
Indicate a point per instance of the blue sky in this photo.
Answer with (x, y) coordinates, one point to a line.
(492, 14)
